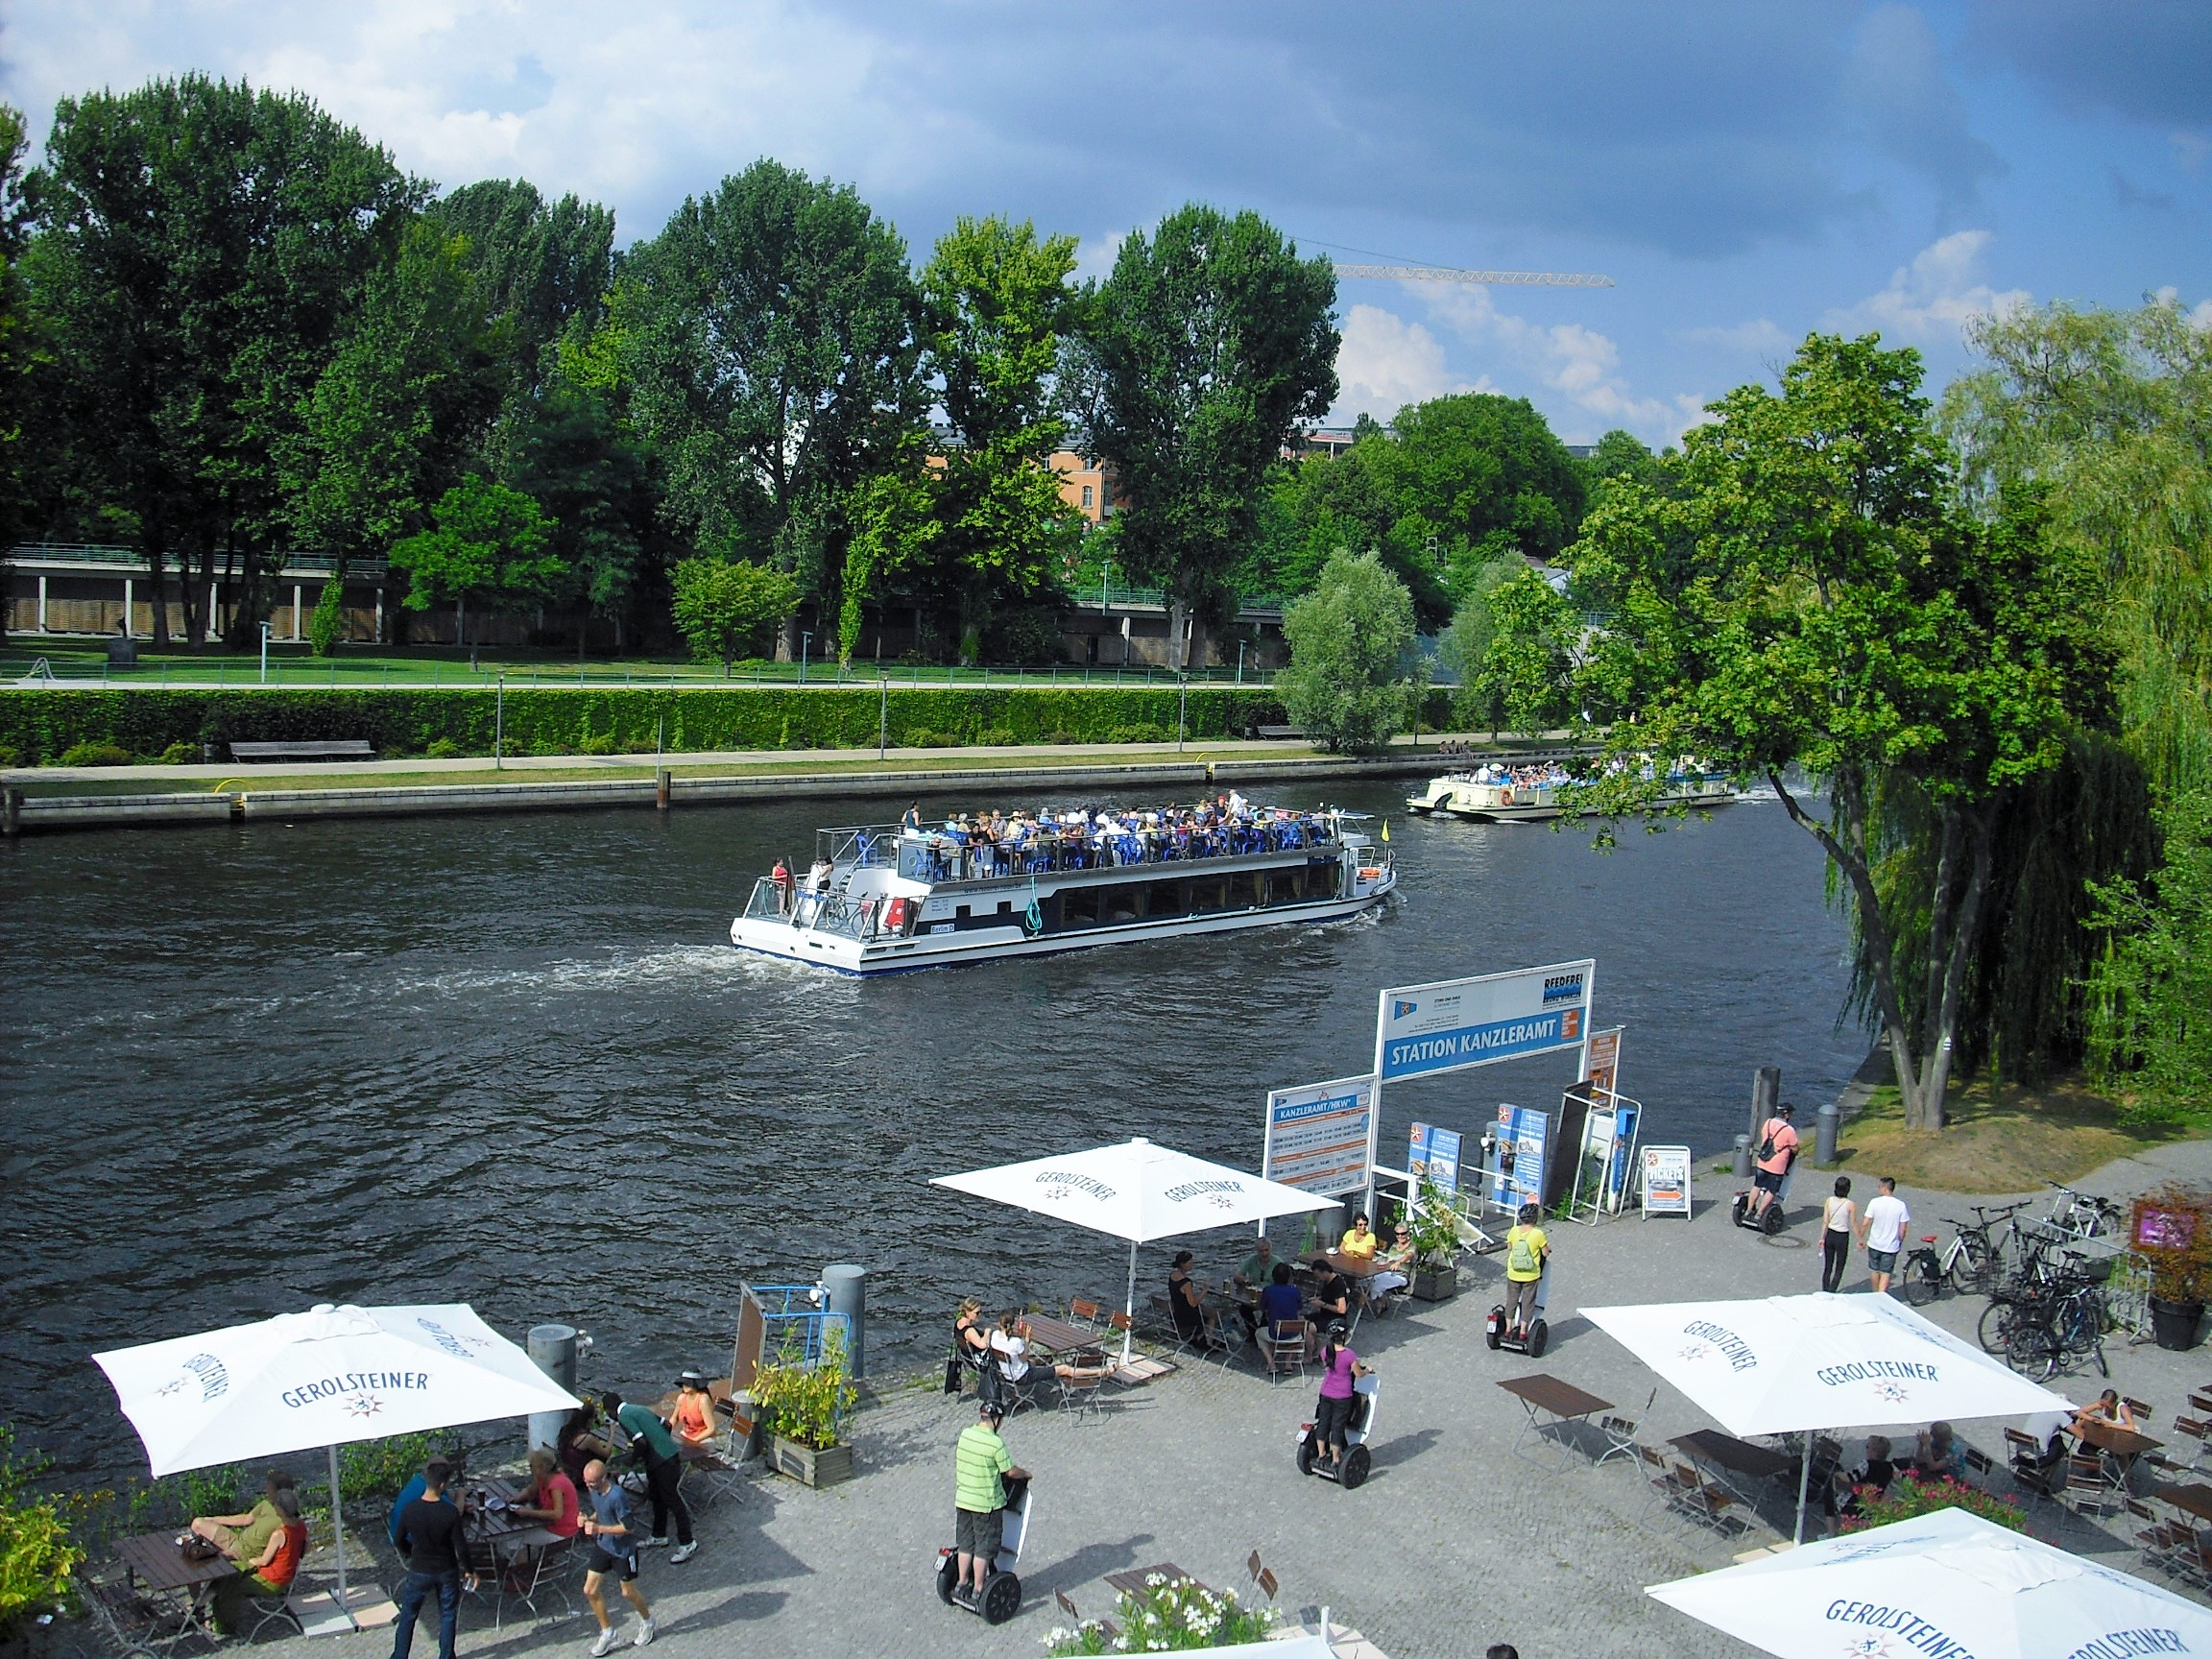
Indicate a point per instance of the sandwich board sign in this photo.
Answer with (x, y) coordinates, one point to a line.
(1666, 1181)
(1320, 1137)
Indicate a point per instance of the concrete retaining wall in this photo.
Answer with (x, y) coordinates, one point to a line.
(36, 815)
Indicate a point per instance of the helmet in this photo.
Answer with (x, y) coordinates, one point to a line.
(1531, 1215)
(1338, 1329)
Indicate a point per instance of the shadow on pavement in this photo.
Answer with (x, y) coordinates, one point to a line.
(1092, 1561)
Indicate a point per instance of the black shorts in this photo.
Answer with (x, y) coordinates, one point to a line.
(1766, 1181)
(623, 1567)
(979, 1533)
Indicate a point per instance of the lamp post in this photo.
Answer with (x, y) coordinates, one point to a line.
(1182, 703)
(264, 653)
(806, 638)
(499, 725)
(883, 704)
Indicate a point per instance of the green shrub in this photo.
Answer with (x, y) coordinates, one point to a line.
(10, 756)
(376, 1469)
(442, 749)
(96, 753)
(37, 1558)
(1170, 1615)
(1144, 732)
(1908, 1497)
(1057, 736)
(996, 738)
(181, 754)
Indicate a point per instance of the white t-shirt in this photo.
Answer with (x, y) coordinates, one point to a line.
(1886, 1218)
(1012, 1351)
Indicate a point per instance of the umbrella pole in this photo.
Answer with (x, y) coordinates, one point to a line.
(1804, 1479)
(1129, 1304)
(338, 1537)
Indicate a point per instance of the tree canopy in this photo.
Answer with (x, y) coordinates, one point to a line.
(1353, 673)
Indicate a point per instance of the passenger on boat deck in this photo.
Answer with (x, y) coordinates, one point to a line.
(913, 819)
(818, 878)
(781, 879)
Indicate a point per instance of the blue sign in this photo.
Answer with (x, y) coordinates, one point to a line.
(1434, 1155)
(1524, 1135)
(1453, 1023)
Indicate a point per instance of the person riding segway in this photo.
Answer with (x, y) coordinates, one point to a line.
(1761, 1208)
(990, 1506)
(1517, 1322)
(1334, 1444)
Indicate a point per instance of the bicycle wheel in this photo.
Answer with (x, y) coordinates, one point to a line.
(1922, 1279)
(2032, 1347)
(1996, 1327)
(1973, 1269)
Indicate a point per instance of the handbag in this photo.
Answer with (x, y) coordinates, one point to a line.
(953, 1382)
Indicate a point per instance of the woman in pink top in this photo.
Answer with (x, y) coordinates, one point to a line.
(551, 1501)
(1332, 1412)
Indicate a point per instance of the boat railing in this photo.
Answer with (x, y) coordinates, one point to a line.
(943, 858)
(856, 845)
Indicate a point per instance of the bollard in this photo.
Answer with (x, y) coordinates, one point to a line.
(1826, 1122)
(660, 782)
(552, 1349)
(11, 812)
(847, 1285)
(1742, 1157)
(1765, 1095)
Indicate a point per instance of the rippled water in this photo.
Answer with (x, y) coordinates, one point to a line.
(514, 1061)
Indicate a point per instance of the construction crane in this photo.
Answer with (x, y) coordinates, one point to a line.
(1445, 274)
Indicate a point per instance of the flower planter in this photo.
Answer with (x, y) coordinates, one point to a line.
(1436, 1283)
(812, 1467)
(2175, 1323)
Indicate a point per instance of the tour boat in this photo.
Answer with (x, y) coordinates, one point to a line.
(884, 899)
(1495, 799)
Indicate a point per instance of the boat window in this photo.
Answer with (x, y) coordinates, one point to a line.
(960, 914)
(1286, 886)
(1324, 880)
(1165, 899)
(1079, 907)
(1247, 889)
(1210, 893)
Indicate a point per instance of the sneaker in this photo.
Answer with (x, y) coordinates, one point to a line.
(605, 1645)
(683, 1552)
(644, 1636)
(652, 1543)
(964, 1596)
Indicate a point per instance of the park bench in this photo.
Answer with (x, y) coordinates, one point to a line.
(325, 749)
(1278, 733)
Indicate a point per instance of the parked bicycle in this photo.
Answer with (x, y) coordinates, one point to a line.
(1975, 1262)
(2081, 1214)
(2043, 1327)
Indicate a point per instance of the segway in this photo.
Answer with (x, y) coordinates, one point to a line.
(1768, 1221)
(1001, 1597)
(1497, 1333)
(1350, 1468)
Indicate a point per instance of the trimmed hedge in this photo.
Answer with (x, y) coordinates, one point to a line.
(42, 725)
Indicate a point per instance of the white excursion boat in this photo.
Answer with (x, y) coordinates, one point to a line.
(1495, 794)
(882, 899)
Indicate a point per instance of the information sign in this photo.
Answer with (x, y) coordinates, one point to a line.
(1627, 1115)
(1423, 1030)
(1666, 1181)
(1320, 1137)
(1602, 1066)
(1434, 1155)
(1524, 1133)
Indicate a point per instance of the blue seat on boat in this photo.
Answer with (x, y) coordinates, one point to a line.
(864, 850)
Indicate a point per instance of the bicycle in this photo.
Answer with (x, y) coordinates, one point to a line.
(2081, 1214)
(1920, 1274)
(1975, 1261)
(2061, 1325)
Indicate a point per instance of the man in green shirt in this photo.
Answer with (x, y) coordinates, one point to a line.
(981, 1468)
(663, 1474)
(1251, 1278)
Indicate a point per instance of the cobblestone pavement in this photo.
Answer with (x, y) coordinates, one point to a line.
(1464, 1534)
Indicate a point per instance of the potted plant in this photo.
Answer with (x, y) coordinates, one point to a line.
(2171, 1230)
(1435, 1230)
(802, 1407)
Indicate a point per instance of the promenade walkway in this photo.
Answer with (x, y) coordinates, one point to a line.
(1453, 1543)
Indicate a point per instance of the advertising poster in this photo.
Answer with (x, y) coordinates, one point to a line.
(1434, 1155)
(1604, 1070)
(1425, 1030)
(1523, 1132)
(1666, 1181)
(1318, 1136)
(1625, 1118)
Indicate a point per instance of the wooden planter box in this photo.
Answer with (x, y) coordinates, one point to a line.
(1436, 1283)
(803, 1464)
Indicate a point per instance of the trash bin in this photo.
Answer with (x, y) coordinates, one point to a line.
(1742, 1157)
(1824, 1128)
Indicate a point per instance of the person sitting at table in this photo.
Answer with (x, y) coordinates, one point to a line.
(268, 1571)
(551, 1500)
(1186, 1302)
(1394, 1268)
(1935, 1454)
(248, 1533)
(1360, 1244)
(1280, 1301)
(1330, 1302)
(1010, 1353)
(1879, 1471)
(2109, 1411)
(970, 1338)
(692, 1421)
(1252, 1276)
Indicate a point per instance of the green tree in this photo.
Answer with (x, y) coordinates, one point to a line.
(568, 453)
(1529, 635)
(1207, 343)
(769, 342)
(401, 412)
(1353, 670)
(20, 463)
(544, 267)
(722, 606)
(201, 248)
(995, 298)
(1320, 503)
(1843, 617)
(486, 545)
(1476, 477)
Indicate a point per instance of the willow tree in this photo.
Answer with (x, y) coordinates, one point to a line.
(1814, 610)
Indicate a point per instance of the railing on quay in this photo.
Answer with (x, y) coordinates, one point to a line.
(796, 1324)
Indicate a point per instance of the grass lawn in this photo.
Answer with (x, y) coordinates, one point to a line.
(2060, 1132)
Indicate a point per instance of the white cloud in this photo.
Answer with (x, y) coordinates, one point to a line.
(1934, 296)
(1577, 362)
(1758, 335)
(1387, 363)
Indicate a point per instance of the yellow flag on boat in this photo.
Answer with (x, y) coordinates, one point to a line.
(1385, 829)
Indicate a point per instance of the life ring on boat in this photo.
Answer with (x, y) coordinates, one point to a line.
(895, 915)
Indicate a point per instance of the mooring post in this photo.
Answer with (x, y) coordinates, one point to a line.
(661, 782)
(846, 1288)
(11, 814)
(552, 1349)
(1765, 1095)
(1826, 1122)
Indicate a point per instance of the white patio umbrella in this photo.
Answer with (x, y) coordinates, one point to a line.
(1135, 1190)
(323, 1377)
(1782, 1365)
(1942, 1583)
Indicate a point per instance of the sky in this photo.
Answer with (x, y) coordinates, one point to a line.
(1745, 172)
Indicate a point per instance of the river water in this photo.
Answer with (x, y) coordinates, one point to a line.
(516, 1062)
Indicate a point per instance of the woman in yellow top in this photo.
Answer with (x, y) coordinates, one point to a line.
(1360, 1243)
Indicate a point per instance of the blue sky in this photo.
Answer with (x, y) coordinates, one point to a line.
(1745, 171)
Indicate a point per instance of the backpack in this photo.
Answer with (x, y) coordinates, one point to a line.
(1520, 1255)
(1767, 1146)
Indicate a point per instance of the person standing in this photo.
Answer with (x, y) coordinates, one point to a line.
(1777, 1151)
(1527, 1250)
(664, 1476)
(429, 1540)
(1839, 1221)
(613, 1549)
(982, 1466)
(1882, 1230)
